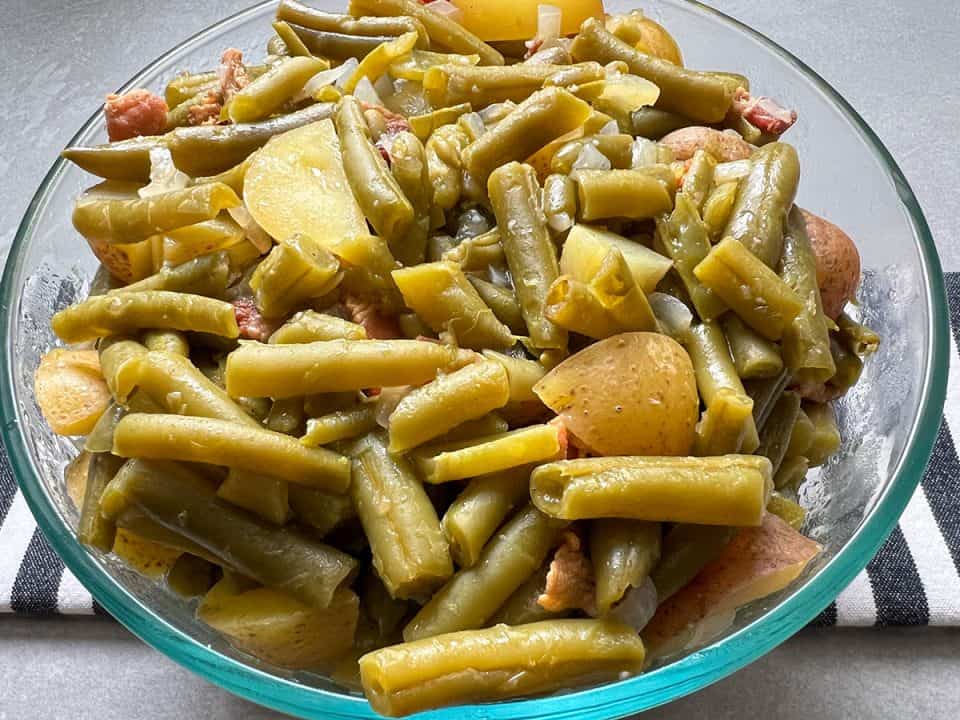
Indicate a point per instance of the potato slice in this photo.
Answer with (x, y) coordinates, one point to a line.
(70, 390)
(493, 20)
(586, 246)
(279, 629)
(148, 558)
(630, 394)
(297, 184)
(755, 563)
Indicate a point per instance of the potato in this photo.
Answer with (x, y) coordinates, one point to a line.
(724, 146)
(297, 184)
(496, 20)
(645, 35)
(148, 558)
(755, 563)
(586, 246)
(70, 390)
(279, 629)
(838, 263)
(631, 394)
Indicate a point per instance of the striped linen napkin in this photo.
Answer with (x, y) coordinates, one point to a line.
(913, 580)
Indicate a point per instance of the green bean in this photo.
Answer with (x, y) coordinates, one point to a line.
(295, 271)
(118, 360)
(377, 192)
(190, 576)
(751, 289)
(286, 416)
(727, 490)
(623, 553)
(221, 442)
(531, 255)
(522, 375)
(567, 74)
(442, 296)
(322, 511)
(754, 356)
(544, 116)
(559, 202)
(445, 166)
(682, 236)
(502, 301)
(414, 65)
(127, 160)
(186, 85)
(309, 326)
(787, 510)
(410, 553)
(475, 593)
(424, 125)
(748, 131)
(338, 46)
(700, 96)
(100, 439)
(210, 149)
(268, 92)
(801, 437)
(686, 550)
(489, 424)
(726, 426)
(717, 208)
(792, 472)
(653, 123)
(456, 83)
(775, 436)
(120, 216)
(277, 48)
(340, 425)
(474, 516)
(262, 495)
(442, 30)
(439, 406)
(523, 605)
(409, 167)
(478, 253)
(860, 339)
(167, 341)
(482, 456)
(765, 392)
(205, 275)
(292, 11)
(292, 43)
(412, 327)
(699, 178)
(233, 177)
(181, 501)
(93, 529)
(129, 312)
(826, 435)
(806, 340)
(182, 114)
(136, 521)
(763, 201)
(849, 366)
(497, 663)
(258, 370)
(222, 234)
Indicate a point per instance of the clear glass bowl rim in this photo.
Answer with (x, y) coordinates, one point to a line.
(608, 701)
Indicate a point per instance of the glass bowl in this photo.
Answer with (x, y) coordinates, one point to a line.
(889, 421)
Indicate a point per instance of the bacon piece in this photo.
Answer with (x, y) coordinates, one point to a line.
(532, 47)
(252, 324)
(205, 113)
(377, 325)
(232, 74)
(764, 113)
(571, 447)
(818, 392)
(395, 122)
(570, 584)
(135, 113)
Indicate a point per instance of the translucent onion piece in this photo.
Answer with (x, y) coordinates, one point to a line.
(590, 159)
(549, 18)
(643, 153)
(442, 7)
(255, 234)
(364, 92)
(611, 128)
(324, 78)
(728, 171)
(637, 606)
(164, 176)
(673, 315)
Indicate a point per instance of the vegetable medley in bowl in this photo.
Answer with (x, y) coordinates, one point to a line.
(455, 359)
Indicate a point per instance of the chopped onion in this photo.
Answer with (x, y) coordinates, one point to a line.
(673, 315)
(346, 71)
(473, 124)
(442, 7)
(164, 176)
(637, 606)
(387, 402)
(254, 233)
(497, 112)
(384, 86)
(591, 159)
(549, 18)
(324, 78)
(611, 128)
(364, 92)
(643, 153)
(560, 222)
(729, 171)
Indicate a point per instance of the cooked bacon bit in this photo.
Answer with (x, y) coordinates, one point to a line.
(570, 584)
(138, 112)
(571, 447)
(818, 392)
(384, 152)
(232, 74)
(532, 47)
(252, 324)
(205, 113)
(377, 325)
(763, 113)
(395, 122)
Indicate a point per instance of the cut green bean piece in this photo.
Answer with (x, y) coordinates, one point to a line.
(320, 510)
(522, 375)
(699, 178)
(633, 194)
(653, 123)
(424, 125)
(295, 12)
(826, 435)
(726, 426)
(686, 550)
(765, 392)
(775, 437)
(205, 275)
(93, 529)
(792, 473)
(309, 326)
(295, 272)
(623, 553)
(262, 495)
(717, 208)
(167, 341)
(408, 163)
(859, 338)
(341, 425)
(523, 605)
(502, 301)
(268, 92)
(753, 355)
(849, 366)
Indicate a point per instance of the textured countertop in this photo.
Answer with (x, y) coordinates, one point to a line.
(894, 61)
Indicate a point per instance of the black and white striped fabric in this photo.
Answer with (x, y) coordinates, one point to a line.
(913, 580)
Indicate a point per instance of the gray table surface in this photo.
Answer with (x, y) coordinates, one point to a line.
(894, 61)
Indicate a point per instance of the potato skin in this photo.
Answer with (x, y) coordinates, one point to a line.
(838, 263)
(630, 394)
(724, 146)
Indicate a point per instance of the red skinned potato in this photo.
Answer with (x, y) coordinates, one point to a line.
(724, 146)
(758, 561)
(630, 394)
(838, 263)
